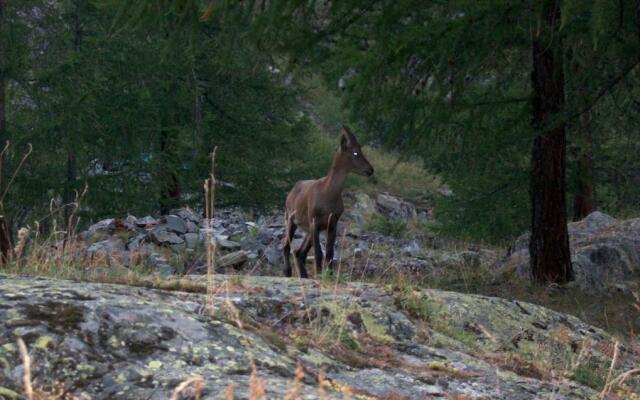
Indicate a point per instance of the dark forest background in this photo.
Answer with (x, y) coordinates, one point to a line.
(129, 99)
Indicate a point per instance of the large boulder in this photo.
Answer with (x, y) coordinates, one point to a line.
(605, 253)
(103, 341)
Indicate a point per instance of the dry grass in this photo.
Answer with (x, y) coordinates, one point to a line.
(195, 383)
(209, 189)
(26, 364)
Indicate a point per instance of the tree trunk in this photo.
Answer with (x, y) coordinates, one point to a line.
(170, 192)
(584, 201)
(6, 249)
(3, 57)
(72, 167)
(69, 194)
(549, 245)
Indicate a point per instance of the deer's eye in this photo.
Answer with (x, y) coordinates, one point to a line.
(355, 154)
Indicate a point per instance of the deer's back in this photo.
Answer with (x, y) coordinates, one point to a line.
(307, 200)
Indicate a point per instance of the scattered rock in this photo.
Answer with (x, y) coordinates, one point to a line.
(227, 244)
(187, 215)
(165, 238)
(273, 255)
(164, 269)
(235, 259)
(111, 249)
(173, 223)
(191, 240)
(395, 208)
(146, 222)
(192, 227)
(413, 249)
(104, 228)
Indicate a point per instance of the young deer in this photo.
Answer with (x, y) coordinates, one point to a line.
(316, 205)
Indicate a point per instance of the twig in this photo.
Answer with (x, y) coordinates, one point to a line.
(15, 173)
(26, 364)
(197, 382)
(619, 381)
(616, 353)
(209, 188)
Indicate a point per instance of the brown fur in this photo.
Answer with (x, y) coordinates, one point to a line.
(316, 205)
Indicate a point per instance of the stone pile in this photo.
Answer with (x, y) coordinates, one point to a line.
(176, 243)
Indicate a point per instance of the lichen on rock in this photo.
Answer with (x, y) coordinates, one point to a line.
(114, 341)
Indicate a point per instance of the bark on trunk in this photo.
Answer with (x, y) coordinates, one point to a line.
(5, 241)
(549, 245)
(584, 201)
(170, 193)
(3, 116)
(69, 194)
(6, 249)
(72, 167)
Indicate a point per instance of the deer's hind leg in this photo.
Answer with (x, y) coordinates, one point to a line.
(315, 232)
(301, 255)
(331, 240)
(290, 230)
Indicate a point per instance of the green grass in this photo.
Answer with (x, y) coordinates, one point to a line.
(387, 227)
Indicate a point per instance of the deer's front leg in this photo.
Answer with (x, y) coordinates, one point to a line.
(316, 247)
(331, 240)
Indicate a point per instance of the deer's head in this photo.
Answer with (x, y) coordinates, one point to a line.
(351, 154)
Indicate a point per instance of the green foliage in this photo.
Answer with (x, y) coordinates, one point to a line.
(386, 226)
(131, 98)
(450, 82)
(593, 376)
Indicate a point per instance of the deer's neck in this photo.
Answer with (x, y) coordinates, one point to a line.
(336, 177)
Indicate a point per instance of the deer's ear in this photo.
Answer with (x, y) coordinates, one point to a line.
(344, 142)
(346, 138)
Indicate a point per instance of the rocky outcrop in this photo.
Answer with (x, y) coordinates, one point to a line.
(103, 341)
(605, 253)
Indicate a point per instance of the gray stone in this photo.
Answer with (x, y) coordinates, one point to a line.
(227, 244)
(164, 269)
(178, 247)
(147, 221)
(173, 223)
(192, 227)
(395, 208)
(235, 259)
(192, 240)
(137, 242)
(187, 214)
(273, 255)
(413, 249)
(252, 245)
(104, 227)
(165, 238)
(265, 236)
(111, 250)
